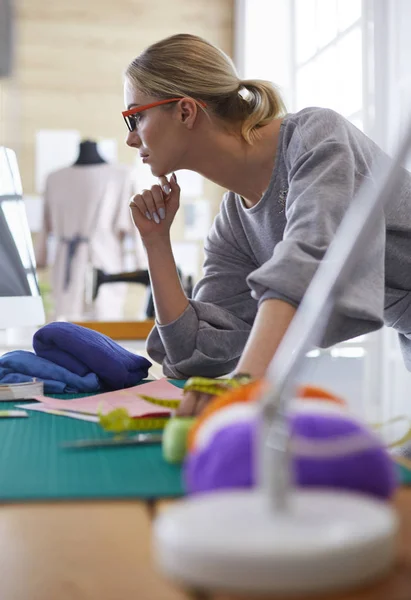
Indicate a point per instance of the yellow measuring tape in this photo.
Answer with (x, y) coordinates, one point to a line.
(214, 387)
(173, 404)
(406, 437)
(146, 423)
(119, 420)
(160, 423)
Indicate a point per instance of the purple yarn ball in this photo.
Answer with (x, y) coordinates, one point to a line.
(225, 463)
(228, 460)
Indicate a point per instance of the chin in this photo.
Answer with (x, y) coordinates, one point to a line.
(160, 172)
(156, 171)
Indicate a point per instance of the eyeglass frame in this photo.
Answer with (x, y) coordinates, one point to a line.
(139, 109)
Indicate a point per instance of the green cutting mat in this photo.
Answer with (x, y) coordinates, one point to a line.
(33, 466)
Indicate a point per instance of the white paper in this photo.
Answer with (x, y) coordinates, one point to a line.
(37, 406)
(12, 413)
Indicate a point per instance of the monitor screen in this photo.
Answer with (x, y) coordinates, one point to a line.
(17, 263)
(20, 301)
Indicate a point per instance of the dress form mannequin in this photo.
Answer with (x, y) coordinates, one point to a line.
(86, 211)
(89, 154)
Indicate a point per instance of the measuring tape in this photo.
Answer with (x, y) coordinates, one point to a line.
(119, 420)
(173, 404)
(406, 437)
(147, 423)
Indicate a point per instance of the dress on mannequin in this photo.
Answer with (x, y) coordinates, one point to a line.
(86, 210)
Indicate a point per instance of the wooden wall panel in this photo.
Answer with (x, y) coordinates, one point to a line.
(70, 56)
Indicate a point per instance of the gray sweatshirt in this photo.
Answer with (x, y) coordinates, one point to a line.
(273, 249)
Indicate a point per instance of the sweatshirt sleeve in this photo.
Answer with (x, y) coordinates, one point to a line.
(323, 180)
(209, 337)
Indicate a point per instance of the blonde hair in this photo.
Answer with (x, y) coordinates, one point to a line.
(188, 66)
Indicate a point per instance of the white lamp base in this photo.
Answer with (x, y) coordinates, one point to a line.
(328, 541)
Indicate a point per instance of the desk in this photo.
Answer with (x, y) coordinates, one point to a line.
(101, 551)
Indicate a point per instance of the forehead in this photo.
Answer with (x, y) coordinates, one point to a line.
(132, 96)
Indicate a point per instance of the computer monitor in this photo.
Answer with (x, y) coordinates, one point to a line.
(20, 301)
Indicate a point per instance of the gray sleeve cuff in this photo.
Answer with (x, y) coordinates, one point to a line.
(175, 336)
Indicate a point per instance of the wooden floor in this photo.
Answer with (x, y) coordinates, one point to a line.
(102, 551)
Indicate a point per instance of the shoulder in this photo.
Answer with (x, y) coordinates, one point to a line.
(323, 131)
(314, 115)
(313, 125)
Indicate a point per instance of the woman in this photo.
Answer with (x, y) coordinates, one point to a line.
(291, 178)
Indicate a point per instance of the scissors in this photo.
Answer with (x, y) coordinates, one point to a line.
(132, 440)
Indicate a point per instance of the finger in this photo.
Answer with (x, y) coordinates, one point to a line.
(175, 190)
(164, 184)
(150, 206)
(158, 197)
(187, 405)
(202, 403)
(137, 204)
(174, 198)
(174, 184)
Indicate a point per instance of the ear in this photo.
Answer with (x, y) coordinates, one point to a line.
(187, 112)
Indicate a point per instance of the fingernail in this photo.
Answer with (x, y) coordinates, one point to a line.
(156, 218)
(148, 216)
(174, 176)
(162, 213)
(167, 189)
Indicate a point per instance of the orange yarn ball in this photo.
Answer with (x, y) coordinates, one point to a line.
(311, 391)
(250, 392)
(245, 393)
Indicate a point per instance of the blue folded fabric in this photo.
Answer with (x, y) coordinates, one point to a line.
(81, 351)
(21, 366)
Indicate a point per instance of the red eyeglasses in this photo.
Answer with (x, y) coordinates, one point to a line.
(131, 116)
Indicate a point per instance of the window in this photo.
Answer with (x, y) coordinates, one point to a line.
(312, 49)
(328, 56)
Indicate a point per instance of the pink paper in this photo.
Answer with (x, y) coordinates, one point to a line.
(128, 398)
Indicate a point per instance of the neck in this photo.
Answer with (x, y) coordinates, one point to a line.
(88, 154)
(230, 162)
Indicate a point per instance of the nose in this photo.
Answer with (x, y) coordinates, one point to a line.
(133, 140)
